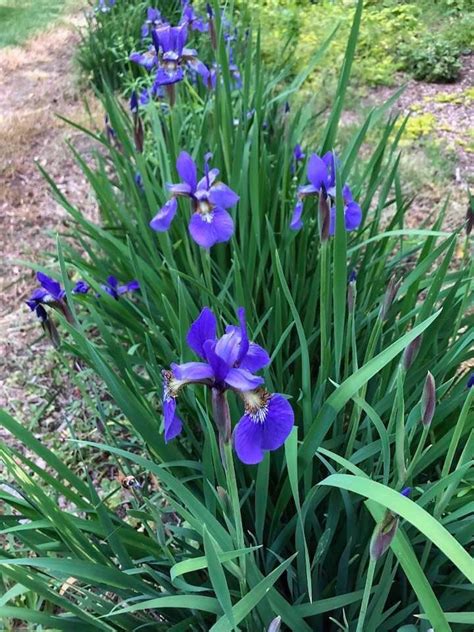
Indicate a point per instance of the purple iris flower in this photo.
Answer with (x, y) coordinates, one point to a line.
(169, 44)
(210, 222)
(298, 156)
(229, 363)
(153, 21)
(50, 293)
(190, 18)
(115, 290)
(322, 181)
(81, 287)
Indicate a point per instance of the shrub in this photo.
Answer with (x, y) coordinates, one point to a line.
(370, 363)
(433, 59)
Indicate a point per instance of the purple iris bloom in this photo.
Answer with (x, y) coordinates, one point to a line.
(190, 18)
(322, 181)
(169, 45)
(81, 287)
(115, 290)
(229, 363)
(153, 21)
(133, 102)
(210, 222)
(50, 292)
(148, 59)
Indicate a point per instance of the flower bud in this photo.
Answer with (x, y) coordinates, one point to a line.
(351, 291)
(470, 216)
(428, 400)
(324, 216)
(470, 381)
(390, 294)
(138, 133)
(275, 625)
(410, 353)
(383, 535)
(221, 413)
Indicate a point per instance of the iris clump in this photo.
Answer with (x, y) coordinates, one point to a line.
(230, 363)
(210, 222)
(322, 183)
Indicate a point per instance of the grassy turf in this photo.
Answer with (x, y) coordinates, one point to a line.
(20, 18)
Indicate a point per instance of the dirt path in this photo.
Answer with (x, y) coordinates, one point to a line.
(37, 81)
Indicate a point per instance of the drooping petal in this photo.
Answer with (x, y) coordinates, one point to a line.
(40, 295)
(50, 285)
(166, 76)
(173, 424)
(317, 172)
(187, 170)
(307, 189)
(162, 220)
(248, 437)
(223, 196)
(131, 286)
(219, 366)
(243, 380)
(353, 216)
(278, 423)
(212, 228)
(203, 329)
(182, 188)
(255, 359)
(192, 371)
(296, 222)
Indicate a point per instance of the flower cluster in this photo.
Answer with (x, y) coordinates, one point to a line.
(322, 182)
(210, 222)
(115, 290)
(230, 363)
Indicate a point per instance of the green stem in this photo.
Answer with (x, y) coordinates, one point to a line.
(365, 598)
(235, 504)
(416, 456)
(323, 314)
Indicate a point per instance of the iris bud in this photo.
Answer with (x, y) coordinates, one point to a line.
(428, 400)
(410, 353)
(275, 625)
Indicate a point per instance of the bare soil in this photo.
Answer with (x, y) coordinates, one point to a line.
(37, 81)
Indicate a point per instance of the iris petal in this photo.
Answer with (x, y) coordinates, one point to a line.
(173, 424)
(162, 220)
(217, 227)
(243, 380)
(317, 172)
(248, 437)
(203, 328)
(186, 168)
(255, 359)
(192, 371)
(278, 423)
(222, 195)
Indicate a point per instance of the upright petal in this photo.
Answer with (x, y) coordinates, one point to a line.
(112, 281)
(50, 285)
(255, 359)
(243, 380)
(162, 220)
(219, 366)
(227, 347)
(203, 329)
(279, 422)
(206, 182)
(186, 168)
(248, 437)
(212, 228)
(221, 195)
(173, 424)
(192, 371)
(317, 172)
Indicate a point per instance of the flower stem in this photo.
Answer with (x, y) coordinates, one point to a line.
(324, 308)
(235, 504)
(365, 598)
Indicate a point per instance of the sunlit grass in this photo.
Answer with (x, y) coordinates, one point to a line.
(21, 18)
